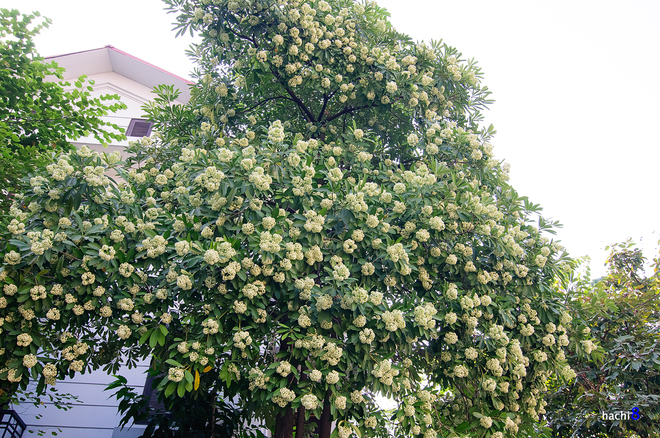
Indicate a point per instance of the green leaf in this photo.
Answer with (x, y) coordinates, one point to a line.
(173, 363)
(144, 337)
(153, 339)
(169, 390)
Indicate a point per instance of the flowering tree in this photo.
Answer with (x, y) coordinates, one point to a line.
(332, 226)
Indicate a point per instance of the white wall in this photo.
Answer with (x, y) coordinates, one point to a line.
(96, 416)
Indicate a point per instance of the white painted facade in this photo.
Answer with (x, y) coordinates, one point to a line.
(116, 72)
(113, 72)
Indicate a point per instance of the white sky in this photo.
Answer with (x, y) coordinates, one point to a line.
(575, 84)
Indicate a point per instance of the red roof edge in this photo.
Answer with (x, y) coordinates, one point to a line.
(130, 56)
(150, 65)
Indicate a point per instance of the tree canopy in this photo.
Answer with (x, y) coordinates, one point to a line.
(620, 311)
(324, 222)
(38, 115)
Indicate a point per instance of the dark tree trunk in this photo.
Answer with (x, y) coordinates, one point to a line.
(300, 422)
(284, 424)
(325, 425)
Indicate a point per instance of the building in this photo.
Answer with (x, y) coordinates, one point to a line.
(113, 72)
(116, 72)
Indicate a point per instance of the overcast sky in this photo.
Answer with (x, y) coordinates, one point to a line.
(575, 85)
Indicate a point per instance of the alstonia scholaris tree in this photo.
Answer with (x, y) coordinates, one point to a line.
(334, 226)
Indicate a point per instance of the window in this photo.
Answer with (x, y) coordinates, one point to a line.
(139, 128)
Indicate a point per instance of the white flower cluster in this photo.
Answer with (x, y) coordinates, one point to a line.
(588, 346)
(12, 258)
(242, 339)
(332, 354)
(124, 332)
(396, 252)
(394, 320)
(460, 371)
(335, 174)
(452, 291)
(260, 179)
(175, 374)
(276, 132)
(125, 304)
(270, 242)
(568, 373)
(340, 272)
(424, 315)
(309, 401)
(367, 336)
(384, 372)
(527, 330)
(332, 377)
(258, 379)
(41, 242)
(239, 307)
(107, 253)
(540, 356)
(323, 302)
(471, 353)
(60, 170)
(548, 340)
(38, 293)
(155, 246)
(294, 251)
(16, 227)
(285, 397)
(29, 360)
(284, 368)
(450, 318)
(314, 255)
(349, 246)
(489, 385)
(314, 222)
(436, 223)
(210, 179)
(230, 271)
(251, 290)
(496, 332)
(94, 176)
(211, 326)
(50, 373)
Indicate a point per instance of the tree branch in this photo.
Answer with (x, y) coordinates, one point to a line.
(326, 98)
(244, 37)
(264, 101)
(295, 98)
(347, 110)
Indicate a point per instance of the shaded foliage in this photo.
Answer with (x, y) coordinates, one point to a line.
(621, 312)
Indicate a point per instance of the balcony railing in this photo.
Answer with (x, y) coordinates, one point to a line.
(11, 425)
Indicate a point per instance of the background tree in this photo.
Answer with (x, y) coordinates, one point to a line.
(333, 226)
(37, 116)
(199, 414)
(620, 311)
